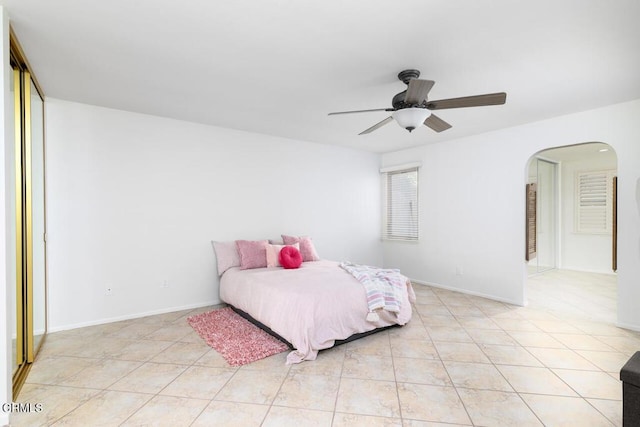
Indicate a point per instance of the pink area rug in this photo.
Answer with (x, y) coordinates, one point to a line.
(239, 341)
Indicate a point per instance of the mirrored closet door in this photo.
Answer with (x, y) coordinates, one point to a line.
(543, 183)
(27, 232)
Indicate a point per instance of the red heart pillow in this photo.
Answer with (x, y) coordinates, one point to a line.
(290, 257)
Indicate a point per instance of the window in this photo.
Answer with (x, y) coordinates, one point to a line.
(594, 201)
(400, 203)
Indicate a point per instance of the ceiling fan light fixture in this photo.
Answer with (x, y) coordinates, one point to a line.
(411, 118)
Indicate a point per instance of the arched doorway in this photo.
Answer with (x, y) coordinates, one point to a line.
(573, 267)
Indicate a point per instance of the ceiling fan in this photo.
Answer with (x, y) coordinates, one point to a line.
(411, 108)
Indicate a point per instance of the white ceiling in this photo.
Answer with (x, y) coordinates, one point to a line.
(279, 66)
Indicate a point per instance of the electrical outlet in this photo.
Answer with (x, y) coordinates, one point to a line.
(108, 291)
(459, 271)
(165, 284)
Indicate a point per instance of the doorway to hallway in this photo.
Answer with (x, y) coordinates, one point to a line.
(575, 195)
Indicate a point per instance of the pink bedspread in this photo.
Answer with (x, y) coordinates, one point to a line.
(310, 307)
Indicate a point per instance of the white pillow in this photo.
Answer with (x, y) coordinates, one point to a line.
(273, 254)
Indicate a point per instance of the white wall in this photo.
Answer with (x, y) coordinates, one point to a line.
(6, 109)
(582, 251)
(472, 205)
(465, 199)
(134, 200)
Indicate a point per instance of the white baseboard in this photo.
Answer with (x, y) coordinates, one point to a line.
(467, 292)
(586, 270)
(635, 328)
(131, 316)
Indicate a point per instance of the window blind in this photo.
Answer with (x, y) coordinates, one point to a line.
(594, 201)
(400, 211)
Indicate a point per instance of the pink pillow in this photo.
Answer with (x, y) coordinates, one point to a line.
(307, 249)
(290, 257)
(273, 254)
(253, 253)
(226, 255)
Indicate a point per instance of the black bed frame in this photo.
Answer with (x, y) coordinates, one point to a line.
(275, 335)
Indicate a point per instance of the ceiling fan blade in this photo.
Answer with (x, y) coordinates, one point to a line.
(361, 111)
(377, 125)
(418, 91)
(436, 123)
(468, 101)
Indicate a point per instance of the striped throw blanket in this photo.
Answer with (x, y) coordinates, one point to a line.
(384, 287)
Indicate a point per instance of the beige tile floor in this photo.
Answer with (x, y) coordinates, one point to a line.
(462, 360)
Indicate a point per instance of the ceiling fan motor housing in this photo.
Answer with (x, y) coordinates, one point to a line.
(398, 101)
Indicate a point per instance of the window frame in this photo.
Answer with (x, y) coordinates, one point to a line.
(403, 230)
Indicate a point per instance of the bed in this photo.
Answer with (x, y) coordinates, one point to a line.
(311, 307)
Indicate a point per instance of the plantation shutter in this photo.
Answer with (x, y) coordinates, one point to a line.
(400, 199)
(594, 201)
